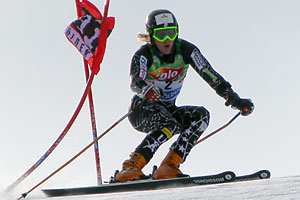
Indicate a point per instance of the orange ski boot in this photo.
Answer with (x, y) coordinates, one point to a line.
(132, 168)
(169, 167)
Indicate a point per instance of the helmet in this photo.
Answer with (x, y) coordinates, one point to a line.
(160, 18)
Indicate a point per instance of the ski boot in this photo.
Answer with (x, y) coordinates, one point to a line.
(169, 167)
(131, 169)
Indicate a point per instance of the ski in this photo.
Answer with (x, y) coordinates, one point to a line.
(149, 184)
(262, 174)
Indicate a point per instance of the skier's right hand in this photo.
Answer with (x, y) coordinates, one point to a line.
(152, 93)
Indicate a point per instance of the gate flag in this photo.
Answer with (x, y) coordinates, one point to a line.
(84, 33)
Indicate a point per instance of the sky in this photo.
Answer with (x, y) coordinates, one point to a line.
(253, 44)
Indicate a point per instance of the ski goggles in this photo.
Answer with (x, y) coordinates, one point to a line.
(164, 33)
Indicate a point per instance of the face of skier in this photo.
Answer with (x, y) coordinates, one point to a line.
(165, 47)
(164, 38)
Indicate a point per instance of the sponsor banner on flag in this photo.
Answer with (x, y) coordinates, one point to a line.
(83, 33)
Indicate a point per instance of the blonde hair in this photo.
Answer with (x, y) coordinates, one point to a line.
(144, 37)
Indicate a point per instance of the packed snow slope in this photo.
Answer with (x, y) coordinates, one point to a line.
(285, 188)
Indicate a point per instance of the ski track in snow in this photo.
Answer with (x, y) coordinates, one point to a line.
(286, 188)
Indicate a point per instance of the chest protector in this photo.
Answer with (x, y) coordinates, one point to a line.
(168, 76)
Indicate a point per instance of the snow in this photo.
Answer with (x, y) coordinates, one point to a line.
(284, 188)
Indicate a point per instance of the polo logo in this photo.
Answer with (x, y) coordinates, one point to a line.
(166, 74)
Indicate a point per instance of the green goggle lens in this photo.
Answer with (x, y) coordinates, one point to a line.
(162, 34)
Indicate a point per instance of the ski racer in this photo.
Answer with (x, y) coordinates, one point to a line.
(158, 70)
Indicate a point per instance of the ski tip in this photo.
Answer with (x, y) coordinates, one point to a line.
(264, 174)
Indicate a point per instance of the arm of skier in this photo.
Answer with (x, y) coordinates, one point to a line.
(216, 81)
(140, 62)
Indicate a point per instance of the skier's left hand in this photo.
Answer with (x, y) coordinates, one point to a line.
(246, 106)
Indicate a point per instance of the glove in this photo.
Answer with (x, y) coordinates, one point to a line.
(246, 106)
(151, 93)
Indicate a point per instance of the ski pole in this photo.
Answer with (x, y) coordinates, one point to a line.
(76, 156)
(58, 140)
(219, 129)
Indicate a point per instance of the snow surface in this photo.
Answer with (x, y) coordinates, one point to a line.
(286, 188)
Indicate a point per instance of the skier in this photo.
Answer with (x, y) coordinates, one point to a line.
(158, 70)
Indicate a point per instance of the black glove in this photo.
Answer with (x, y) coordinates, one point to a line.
(246, 106)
